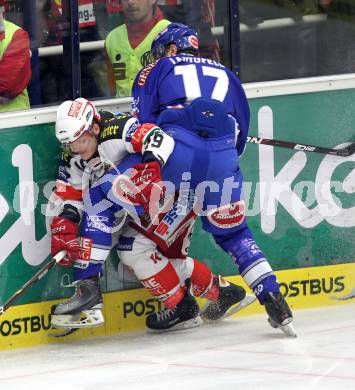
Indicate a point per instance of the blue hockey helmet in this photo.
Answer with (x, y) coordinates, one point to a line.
(183, 36)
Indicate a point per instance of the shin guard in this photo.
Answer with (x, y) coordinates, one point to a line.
(251, 262)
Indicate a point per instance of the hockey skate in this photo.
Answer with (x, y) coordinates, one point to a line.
(82, 310)
(231, 299)
(280, 315)
(185, 315)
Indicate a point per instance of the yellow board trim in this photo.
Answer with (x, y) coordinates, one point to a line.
(125, 311)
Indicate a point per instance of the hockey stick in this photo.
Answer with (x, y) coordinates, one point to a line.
(344, 152)
(35, 278)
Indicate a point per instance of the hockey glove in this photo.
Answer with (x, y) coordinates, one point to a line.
(65, 237)
(147, 178)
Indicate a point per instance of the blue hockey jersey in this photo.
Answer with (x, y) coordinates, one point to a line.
(178, 80)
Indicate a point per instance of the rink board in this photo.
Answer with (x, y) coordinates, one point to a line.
(300, 206)
(28, 325)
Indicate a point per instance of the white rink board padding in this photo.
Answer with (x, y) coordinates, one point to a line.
(253, 90)
(125, 311)
(241, 353)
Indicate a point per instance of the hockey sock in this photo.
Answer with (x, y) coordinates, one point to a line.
(202, 282)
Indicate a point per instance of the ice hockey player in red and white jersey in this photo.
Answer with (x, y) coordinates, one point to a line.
(95, 143)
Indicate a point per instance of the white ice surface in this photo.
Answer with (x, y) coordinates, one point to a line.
(241, 353)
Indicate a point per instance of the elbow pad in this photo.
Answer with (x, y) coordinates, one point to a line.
(151, 139)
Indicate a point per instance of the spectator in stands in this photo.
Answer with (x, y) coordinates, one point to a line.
(128, 45)
(15, 66)
(199, 15)
(182, 11)
(108, 15)
(53, 71)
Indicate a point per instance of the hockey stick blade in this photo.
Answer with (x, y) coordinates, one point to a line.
(344, 152)
(349, 150)
(35, 278)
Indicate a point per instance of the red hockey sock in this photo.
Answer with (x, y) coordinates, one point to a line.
(165, 285)
(202, 282)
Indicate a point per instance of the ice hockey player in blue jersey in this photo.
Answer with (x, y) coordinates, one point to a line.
(96, 143)
(202, 105)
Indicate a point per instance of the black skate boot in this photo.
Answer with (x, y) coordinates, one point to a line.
(231, 299)
(280, 315)
(185, 315)
(83, 309)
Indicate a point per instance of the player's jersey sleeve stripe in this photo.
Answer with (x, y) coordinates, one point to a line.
(67, 192)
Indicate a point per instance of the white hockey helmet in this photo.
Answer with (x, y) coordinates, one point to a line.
(74, 118)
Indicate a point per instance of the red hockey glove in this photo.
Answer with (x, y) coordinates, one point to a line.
(147, 178)
(65, 237)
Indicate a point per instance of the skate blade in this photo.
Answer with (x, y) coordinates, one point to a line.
(189, 324)
(287, 328)
(345, 297)
(248, 300)
(88, 319)
(63, 333)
